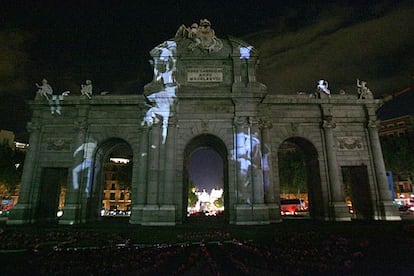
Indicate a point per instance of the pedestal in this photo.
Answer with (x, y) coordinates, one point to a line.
(340, 211)
(252, 215)
(153, 215)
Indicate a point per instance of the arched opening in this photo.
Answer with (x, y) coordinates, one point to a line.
(112, 178)
(357, 191)
(299, 178)
(205, 186)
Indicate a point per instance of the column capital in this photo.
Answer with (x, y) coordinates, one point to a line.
(373, 124)
(32, 127)
(81, 124)
(265, 123)
(328, 123)
(241, 121)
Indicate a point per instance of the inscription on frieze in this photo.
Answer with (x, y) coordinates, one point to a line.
(353, 143)
(205, 74)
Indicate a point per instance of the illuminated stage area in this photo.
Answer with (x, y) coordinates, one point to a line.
(204, 95)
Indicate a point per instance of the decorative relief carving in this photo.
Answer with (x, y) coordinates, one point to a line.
(58, 144)
(294, 127)
(350, 143)
(204, 125)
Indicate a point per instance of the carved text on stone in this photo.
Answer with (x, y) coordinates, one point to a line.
(205, 75)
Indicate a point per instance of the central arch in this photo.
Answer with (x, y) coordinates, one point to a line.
(205, 142)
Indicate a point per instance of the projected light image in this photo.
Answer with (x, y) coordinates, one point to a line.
(245, 52)
(164, 63)
(87, 164)
(161, 104)
(248, 155)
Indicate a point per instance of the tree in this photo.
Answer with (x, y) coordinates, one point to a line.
(292, 173)
(192, 197)
(398, 152)
(10, 174)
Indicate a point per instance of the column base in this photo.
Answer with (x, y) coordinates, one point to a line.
(154, 215)
(389, 211)
(252, 214)
(20, 214)
(274, 213)
(71, 214)
(340, 211)
(136, 214)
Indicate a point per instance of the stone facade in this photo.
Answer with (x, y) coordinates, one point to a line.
(204, 94)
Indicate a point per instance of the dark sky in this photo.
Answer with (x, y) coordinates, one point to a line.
(206, 170)
(108, 42)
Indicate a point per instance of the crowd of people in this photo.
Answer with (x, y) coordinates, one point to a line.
(212, 253)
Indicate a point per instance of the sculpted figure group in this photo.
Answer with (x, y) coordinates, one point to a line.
(203, 36)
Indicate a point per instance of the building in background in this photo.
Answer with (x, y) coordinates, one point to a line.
(116, 197)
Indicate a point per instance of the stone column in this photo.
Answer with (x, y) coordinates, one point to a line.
(151, 211)
(270, 198)
(339, 209)
(268, 189)
(153, 165)
(242, 161)
(169, 163)
(388, 210)
(24, 210)
(139, 174)
(167, 207)
(72, 208)
(256, 161)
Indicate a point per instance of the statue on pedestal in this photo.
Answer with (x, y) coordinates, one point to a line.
(45, 90)
(86, 89)
(322, 87)
(363, 91)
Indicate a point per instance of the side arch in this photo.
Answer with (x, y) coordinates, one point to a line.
(109, 148)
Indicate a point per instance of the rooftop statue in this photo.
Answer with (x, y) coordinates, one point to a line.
(202, 35)
(363, 91)
(45, 90)
(322, 87)
(86, 89)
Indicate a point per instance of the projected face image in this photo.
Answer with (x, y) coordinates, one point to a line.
(86, 165)
(248, 155)
(245, 52)
(164, 61)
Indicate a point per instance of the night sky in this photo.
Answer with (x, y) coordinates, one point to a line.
(108, 42)
(206, 170)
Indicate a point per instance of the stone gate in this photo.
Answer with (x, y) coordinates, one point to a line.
(204, 94)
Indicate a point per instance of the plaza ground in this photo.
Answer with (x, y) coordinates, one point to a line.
(292, 247)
